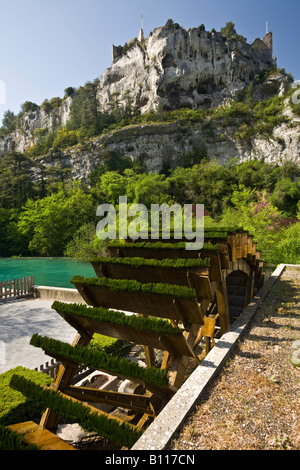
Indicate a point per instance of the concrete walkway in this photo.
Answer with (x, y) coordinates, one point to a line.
(19, 320)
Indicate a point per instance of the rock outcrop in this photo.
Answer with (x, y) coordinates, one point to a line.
(162, 146)
(24, 136)
(176, 68)
(171, 69)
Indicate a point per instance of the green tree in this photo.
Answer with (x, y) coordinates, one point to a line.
(286, 195)
(208, 183)
(228, 31)
(64, 138)
(257, 174)
(50, 223)
(46, 106)
(55, 102)
(15, 181)
(84, 108)
(69, 91)
(287, 248)
(264, 221)
(170, 24)
(12, 242)
(85, 244)
(28, 106)
(110, 187)
(9, 123)
(147, 189)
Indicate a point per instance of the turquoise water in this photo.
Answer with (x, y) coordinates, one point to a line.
(56, 272)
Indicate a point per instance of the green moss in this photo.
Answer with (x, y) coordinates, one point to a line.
(100, 360)
(14, 407)
(118, 318)
(128, 285)
(160, 245)
(136, 262)
(215, 234)
(122, 433)
(160, 232)
(111, 346)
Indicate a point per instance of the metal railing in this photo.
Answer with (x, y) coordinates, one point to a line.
(16, 287)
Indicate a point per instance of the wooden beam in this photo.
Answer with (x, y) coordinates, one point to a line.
(239, 251)
(167, 359)
(215, 269)
(249, 289)
(176, 344)
(223, 308)
(149, 356)
(179, 371)
(136, 402)
(232, 242)
(146, 303)
(245, 245)
(34, 434)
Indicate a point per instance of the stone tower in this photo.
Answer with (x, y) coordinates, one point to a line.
(268, 40)
(141, 37)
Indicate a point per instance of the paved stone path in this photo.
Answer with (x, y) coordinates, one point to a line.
(19, 320)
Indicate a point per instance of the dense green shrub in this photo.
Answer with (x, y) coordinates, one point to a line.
(228, 30)
(171, 25)
(83, 245)
(287, 247)
(28, 106)
(64, 139)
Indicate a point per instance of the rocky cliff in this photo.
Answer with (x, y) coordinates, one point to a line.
(175, 68)
(172, 69)
(25, 134)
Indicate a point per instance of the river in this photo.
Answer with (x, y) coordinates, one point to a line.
(56, 272)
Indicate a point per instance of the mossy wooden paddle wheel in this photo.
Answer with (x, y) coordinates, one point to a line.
(155, 294)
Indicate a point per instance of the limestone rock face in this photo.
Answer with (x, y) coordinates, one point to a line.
(24, 137)
(172, 68)
(180, 68)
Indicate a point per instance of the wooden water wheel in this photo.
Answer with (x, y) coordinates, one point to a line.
(177, 302)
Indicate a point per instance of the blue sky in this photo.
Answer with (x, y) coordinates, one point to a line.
(49, 45)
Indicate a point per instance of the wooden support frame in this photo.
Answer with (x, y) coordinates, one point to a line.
(208, 332)
(223, 307)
